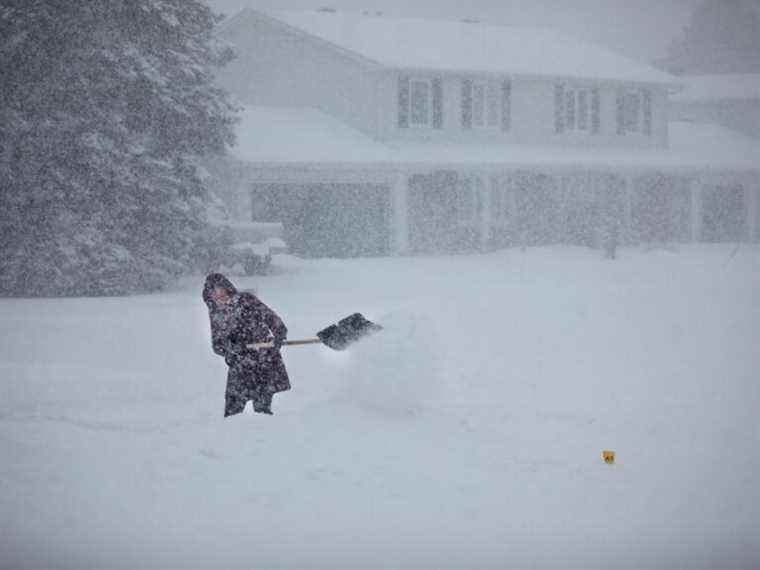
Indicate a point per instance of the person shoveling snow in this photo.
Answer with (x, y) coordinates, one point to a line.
(249, 335)
(239, 319)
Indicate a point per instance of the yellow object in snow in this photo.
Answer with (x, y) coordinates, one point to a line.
(608, 456)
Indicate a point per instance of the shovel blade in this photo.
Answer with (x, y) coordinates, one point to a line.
(347, 331)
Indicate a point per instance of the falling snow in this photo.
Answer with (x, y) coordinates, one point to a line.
(552, 208)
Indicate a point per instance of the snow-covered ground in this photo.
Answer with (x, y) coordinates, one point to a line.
(468, 434)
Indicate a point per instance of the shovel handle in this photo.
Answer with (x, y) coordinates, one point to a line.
(270, 344)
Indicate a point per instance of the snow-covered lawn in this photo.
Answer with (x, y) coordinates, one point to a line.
(468, 434)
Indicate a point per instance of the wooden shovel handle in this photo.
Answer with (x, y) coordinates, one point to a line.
(302, 341)
(270, 344)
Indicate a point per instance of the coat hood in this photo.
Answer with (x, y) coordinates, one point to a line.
(213, 281)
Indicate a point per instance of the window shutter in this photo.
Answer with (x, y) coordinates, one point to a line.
(570, 109)
(647, 112)
(559, 108)
(595, 111)
(403, 102)
(437, 103)
(583, 109)
(620, 112)
(506, 105)
(466, 104)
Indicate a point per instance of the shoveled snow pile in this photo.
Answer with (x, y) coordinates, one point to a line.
(395, 371)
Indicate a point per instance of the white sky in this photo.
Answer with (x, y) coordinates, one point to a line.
(638, 28)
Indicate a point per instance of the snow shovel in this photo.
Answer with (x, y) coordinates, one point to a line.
(338, 336)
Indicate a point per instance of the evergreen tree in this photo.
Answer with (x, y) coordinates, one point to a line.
(722, 37)
(106, 108)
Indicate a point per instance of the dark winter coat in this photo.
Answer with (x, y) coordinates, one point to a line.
(246, 320)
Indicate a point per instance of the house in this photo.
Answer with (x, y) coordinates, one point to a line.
(369, 135)
(731, 100)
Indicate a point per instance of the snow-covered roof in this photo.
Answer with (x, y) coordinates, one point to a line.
(304, 136)
(277, 134)
(719, 87)
(443, 45)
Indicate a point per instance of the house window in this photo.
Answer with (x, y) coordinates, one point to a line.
(632, 111)
(578, 109)
(420, 102)
(485, 104)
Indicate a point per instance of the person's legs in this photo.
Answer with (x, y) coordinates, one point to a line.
(262, 401)
(233, 405)
(235, 396)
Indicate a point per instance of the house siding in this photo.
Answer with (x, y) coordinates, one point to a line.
(277, 66)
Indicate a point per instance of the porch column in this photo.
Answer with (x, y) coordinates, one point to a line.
(752, 201)
(599, 194)
(628, 181)
(695, 185)
(485, 189)
(513, 215)
(563, 185)
(400, 214)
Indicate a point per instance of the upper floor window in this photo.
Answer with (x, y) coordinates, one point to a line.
(486, 104)
(420, 102)
(576, 109)
(634, 111)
